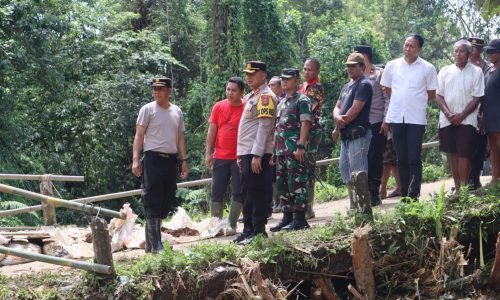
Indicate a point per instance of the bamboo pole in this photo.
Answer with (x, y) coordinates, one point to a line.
(60, 202)
(39, 177)
(98, 268)
(131, 193)
(49, 209)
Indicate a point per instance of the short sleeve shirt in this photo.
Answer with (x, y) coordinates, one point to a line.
(361, 90)
(227, 118)
(380, 102)
(257, 123)
(458, 87)
(409, 84)
(163, 127)
(291, 112)
(315, 92)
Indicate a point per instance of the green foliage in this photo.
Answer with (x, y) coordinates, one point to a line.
(325, 192)
(73, 74)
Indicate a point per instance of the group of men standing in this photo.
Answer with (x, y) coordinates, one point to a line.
(273, 135)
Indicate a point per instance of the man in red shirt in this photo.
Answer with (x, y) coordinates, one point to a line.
(313, 89)
(220, 152)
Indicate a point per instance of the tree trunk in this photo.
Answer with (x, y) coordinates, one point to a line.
(494, 281)
(102, 244)
(362, 263)
(360, 197)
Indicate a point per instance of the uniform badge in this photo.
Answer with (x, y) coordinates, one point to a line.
(265, 107)
(265, 99)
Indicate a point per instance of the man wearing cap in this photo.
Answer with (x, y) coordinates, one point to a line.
(491, 108)
(378, 109)
(292, 127)
(477, 160)
(410, 82)
(460, 88)
(352, 117)
(254, 150)
(160, 134)
(312, 88)
(220, 154)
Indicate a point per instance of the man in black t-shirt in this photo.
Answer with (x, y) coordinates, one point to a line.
(351, 114)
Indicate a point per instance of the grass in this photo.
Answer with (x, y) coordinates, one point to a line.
(140, 276)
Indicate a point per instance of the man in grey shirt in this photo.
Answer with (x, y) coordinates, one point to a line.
(160, 133)
(254, 150)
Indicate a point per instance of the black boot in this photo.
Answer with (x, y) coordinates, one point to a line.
(259, 230)
(287, 219)
(154, 232)
(299, 222)
(243, 236)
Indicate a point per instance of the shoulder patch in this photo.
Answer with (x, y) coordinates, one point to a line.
(265, 107)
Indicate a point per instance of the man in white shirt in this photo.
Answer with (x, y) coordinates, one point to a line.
(460, 88)
(410, 82)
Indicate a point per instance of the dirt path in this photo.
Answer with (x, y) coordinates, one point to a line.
(324, 213)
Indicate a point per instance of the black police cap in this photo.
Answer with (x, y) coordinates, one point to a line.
(254, 66)
(162, 81)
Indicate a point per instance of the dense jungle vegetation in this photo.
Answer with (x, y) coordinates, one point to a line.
(74, 73)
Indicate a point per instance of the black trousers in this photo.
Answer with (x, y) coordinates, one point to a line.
(257, 193)
(408, 144)
(375, 159)
(159, 173)
(224, 170)
(476, 162)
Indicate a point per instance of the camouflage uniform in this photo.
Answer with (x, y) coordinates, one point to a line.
(313, 90)
(291, 175)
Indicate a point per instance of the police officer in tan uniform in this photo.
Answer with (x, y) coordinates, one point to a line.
(254, 151)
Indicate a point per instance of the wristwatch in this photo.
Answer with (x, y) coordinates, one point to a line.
(300, 146)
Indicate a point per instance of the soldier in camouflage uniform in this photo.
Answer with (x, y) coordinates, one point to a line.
(292, 127)
(313, 89)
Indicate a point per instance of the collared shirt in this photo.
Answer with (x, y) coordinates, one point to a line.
(380, 102)
(315, 92)
(291, 112)
(458, 87)
(409, 84)
(257, 123)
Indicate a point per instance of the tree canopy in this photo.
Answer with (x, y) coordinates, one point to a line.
(73, 74)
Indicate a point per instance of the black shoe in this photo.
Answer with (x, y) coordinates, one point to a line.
(287, 219)
(250, 238)
(242, 236)
(296, 224)
(376, 200)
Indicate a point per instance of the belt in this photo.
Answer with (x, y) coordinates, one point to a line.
(161, 154)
